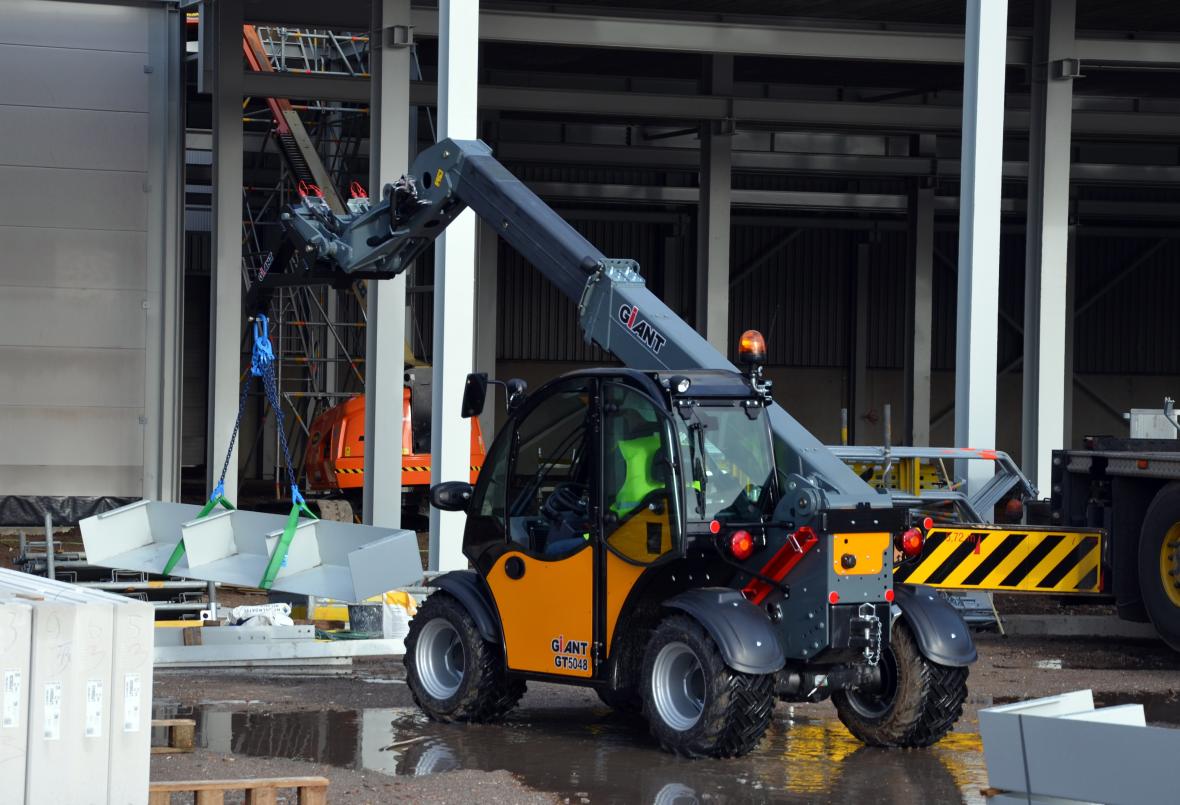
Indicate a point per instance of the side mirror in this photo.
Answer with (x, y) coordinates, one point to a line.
(475, 393)
(451, 496)
(514, 393)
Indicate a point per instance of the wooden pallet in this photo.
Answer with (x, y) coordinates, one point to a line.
(181, 733)
(259, 791)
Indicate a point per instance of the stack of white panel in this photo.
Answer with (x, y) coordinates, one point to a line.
(16, 643)
(88, 692)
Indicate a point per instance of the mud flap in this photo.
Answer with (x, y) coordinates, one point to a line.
(743, 633)
(941, 632)
(473, 594)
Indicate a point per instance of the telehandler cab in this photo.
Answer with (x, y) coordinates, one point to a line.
(664, 532)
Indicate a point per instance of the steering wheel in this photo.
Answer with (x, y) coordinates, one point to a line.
(566, 498)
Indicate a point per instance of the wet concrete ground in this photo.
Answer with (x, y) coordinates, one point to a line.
(563, 742)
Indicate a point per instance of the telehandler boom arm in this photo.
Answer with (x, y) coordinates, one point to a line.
(616, 310)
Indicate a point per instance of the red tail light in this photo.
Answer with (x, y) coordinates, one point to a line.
(911, 542)
(927, 523)
(889, 596)
(741, 544)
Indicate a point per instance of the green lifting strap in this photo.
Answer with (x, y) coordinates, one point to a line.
(638, 483)
(216, 500)
(279, 555)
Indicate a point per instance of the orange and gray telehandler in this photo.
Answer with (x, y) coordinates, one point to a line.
(663, 533)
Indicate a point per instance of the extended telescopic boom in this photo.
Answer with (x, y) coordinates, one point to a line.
(616, 310)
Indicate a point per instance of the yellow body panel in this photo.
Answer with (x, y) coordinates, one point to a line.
(869, 550)
(620, 578)
(547, 613)
(1026, 559)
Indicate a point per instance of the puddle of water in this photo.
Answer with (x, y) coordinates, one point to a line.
(592, 755)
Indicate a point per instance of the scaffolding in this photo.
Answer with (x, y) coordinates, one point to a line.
(318, 332)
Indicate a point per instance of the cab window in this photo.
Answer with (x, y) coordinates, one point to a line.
(549, 484)
(639, 490)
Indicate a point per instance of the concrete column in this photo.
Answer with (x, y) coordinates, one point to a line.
(225, 330)
(385, 334)
(1046, 373)
(712, 298)
(985, 44)
(454, 281)
(486, 319)
(919, 303)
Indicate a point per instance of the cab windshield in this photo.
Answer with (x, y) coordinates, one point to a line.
(729, 463)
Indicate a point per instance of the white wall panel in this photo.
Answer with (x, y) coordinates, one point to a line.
(73, 79)
(72, 199)
(79, 377)
(74, 25)
(71, 436)
(69, 317)
(72, 258)
(87, 480)
(38, 136)
(81, 122)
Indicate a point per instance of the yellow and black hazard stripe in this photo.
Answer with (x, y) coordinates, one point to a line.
(991, 558)
(349, 471)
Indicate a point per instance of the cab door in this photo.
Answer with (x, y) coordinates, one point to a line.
(543, 582)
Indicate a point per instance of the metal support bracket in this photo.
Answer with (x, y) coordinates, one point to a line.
(399, 36)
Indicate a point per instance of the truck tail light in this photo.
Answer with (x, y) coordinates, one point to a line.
(741, 544)
(911, 542)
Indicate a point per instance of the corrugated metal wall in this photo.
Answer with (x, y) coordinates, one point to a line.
(802, 298)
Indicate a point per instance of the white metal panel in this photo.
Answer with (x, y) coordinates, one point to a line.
(73, 79)
(82, 377)
(76, 258)
(89, 479)
(120, 720)
(16, 640)
(71, 651)
(71, 437)
(68, 317)
(79, 199)
(73, 138)
(93, 26)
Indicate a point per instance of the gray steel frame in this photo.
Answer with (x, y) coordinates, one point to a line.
(977, 506)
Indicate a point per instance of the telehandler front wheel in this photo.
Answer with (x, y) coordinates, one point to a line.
(452, 672)
(918, 703)
(695, 704)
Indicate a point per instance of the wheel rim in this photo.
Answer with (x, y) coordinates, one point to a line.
(439, 659)
(876, 704)
(1170, 564)
(678, 686)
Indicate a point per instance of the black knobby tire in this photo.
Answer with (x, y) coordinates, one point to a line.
(920, 704)
(735, 707)
(484, 690)
(1158, 545)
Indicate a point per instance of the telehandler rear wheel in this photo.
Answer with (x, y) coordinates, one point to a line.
(695, 704)
(452, 672)
(919, 701)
